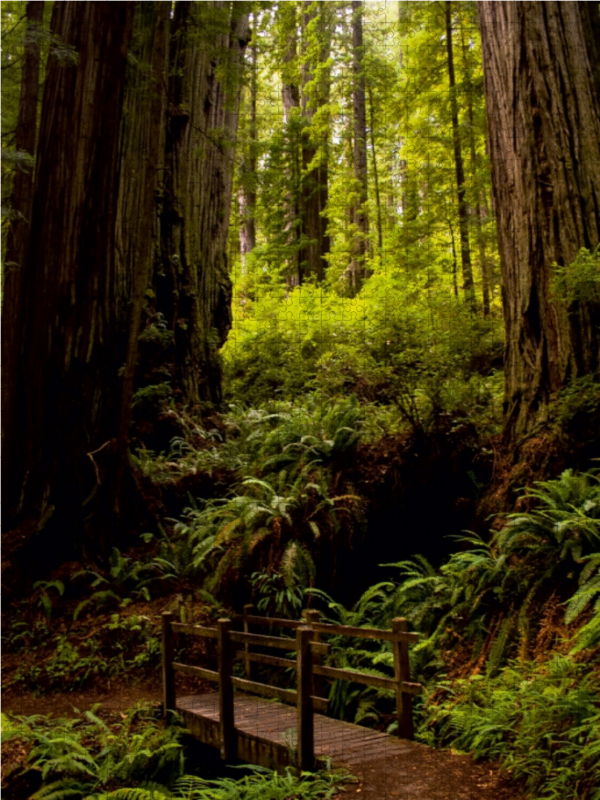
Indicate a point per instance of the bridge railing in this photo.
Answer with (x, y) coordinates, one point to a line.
(309, 648)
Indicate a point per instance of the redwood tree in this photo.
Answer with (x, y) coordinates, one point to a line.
(192, 282)
(316, 25)
(356, 270)
(69, 340)
(542, 86)
(17, 238)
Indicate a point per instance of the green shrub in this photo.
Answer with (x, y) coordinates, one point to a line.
(540, 721)
(139, 758)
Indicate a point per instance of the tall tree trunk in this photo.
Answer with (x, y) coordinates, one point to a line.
(17, 241)
(477, 212)
(290, 95)
(542, 86)
(137, 229)
(359, 112)
(192, 285)
(463, 211)
(247, 191)
(375, 173)
(314, 176)
(70, 343)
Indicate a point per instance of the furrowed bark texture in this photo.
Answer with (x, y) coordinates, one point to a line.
(542, 85)
(70, 342)
(193, 287)
(17, 240)
(142, 148)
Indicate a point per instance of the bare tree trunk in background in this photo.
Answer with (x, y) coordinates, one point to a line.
(542, 86)
(17, 240)
(375, 173)
(314, 179)
(360, 246)
(290, 95)
(247, 192)
(192, 285)
(75, 315)
(463, 211)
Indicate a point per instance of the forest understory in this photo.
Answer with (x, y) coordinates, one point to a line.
(288, 321)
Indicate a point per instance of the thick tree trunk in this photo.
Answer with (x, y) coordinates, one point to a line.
(463, 211)
(193, 287)
(359, 112)
(314, 176)
(142, 145)
(70, 343)
(542, 86)
(17, 240)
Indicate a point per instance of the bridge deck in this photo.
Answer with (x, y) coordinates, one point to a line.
(266, 730)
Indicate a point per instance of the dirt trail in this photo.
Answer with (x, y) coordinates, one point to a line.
(427, 775)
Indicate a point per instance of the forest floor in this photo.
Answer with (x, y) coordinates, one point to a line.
(430, 775)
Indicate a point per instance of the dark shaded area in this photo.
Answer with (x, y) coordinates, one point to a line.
(421, 490)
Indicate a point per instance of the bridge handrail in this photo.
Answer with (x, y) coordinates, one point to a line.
(332, 628)
(308, 664)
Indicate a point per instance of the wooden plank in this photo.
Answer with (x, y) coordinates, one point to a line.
(366, 633)
(261, 658)
(195, 630)
(312, 616)
(402, 674)
(226, 707)
(168, 654)
(188, 669)
(264, 690)
(408, 687)
(281, 642)
(250, 670)
(305, 725)
(358, 677)
(269, 621)
(261, 725)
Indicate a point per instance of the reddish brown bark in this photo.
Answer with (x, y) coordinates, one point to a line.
(542, 86)
(70, 341)
(193, 286)
(18, 233)
(142, 143)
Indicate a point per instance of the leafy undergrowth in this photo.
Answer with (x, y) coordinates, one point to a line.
(510, 624)
(540, 721)
(131, 756)
(104, 647)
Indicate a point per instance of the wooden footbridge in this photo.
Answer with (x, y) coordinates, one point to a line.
(290, 726)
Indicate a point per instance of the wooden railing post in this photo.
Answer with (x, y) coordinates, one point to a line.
(226, 715)
(248, 609)
(311, 616)
(168, 656)
(402, 673)
(306, 735)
